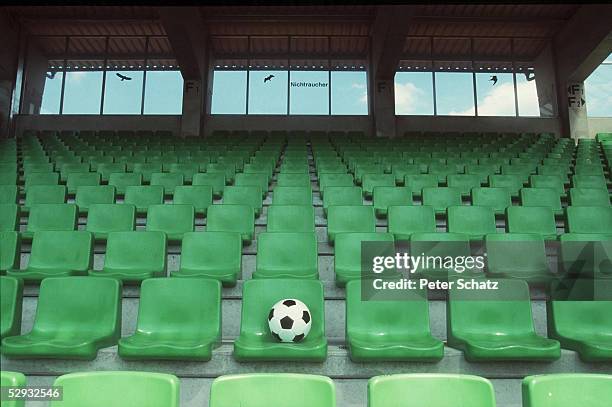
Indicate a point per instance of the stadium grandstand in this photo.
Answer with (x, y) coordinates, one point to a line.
(289, 205)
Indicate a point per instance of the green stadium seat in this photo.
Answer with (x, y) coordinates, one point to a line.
(589, 197)
(272, 389)
(416, 183)
(293, 180)
(589, 181)
(134, 256)
(41, 178)
(227, 169)
(10, 250)
(567, 390)
(12, 379)
(119, 389)
(106, 169)
(199, 196)
(103, 219)
(406, 220)
(362, 169)
(51, 217)
(146, 169)
(441, 245)
(497, 325)
(496, 198)
(532, 219)
(431, 390)
(232, 218)
(475, 221)
(178, 319)
(77, 179)
(167, 180)
(482, 171)
(216, 180)
(11, 289)
(342, 196)
(589, 219)
(244, 195)
(400, 172)
(512, 183)
(187, 170)
(8, 194)
(75, 317)
(292, 196)
(371, 181)
(254, 179)
(9, 217)
(144, 196)
(441, 171)
(517, 255)
(8, 177)
(579, 317)
(586, 255)
(345, 219)
(68, 169)
(212, 255)
(554, 182)
(291, 218)
(542, 197)
(86, 196)
(335, 180)
(256, 342)
(347, 254)
(174, 220)
(384, 197)
(589, 169)
(440, 198)
(44, 194)
(121, 180)
(464, 182)
(286, 255)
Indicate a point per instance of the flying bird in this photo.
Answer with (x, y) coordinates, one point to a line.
(123, 77)
(51, 75)
(529, 76)
(493, 79)
(268, 78)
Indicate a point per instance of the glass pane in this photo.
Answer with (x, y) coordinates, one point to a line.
(349, 93)
(527, 93)
(598, 92)
(454, 93)
(608, 60)
(164, 92)
(495, 92)
(268, 92)
(229, 92)
(123, 92)
(52, 93)
(309, 92)
(83, 92)
(414, 93)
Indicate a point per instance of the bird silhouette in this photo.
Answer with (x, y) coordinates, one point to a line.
(268, 78)
(493, 79)
(529, 76)
(123, 77)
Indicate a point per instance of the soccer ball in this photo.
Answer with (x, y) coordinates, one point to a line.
(289, 320)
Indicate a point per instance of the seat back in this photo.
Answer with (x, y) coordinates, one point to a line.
(173, 219)
(52, 217)
(136, 251)
(199, 196)
(231, 218)
(89, 195)
(406, 220)
(532, 219)
(291, 218)
(292, 196)
(10, 250)
(286, 255)
(567, 390)
(106, 218)
(589, 219)
(9, 217)
(476, 221)
(64, 250)
(11, 300)
(49, 194)
(143, 196)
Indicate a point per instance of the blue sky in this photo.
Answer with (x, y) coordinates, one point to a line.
(598, 90)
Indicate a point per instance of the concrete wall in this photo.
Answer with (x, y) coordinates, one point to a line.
(36, 66)
(8, 65)
(599, 125)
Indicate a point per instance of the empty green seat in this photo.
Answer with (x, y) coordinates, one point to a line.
(106, 169)
(589, 197)
(400, 171)
(77, 179)
(431, 390)
(371, 181)
(10, 250)
(567, 390)
(496, 198)
(144, 196)
(11, 300)
(589, 181)
(342, 196)
(8, 194)
(199, 196)
(272, 389)
(178, 319)
(291, 218)
(586, 254)
(416, 183)
(347, 254)
(441, 198)
(9, 217)
(8, 177)
(589, 219)
(119, 389)
(344, 219)
(121, 180)
(44, 194)
(41, 178)
(86, 196)
(216, 180)
(134, 256)
(228, 169)
(255, 179)
(187, 170)
(75, 317)
(292, 196)
(542, 197)
(146, 169)
(335, 180)
(293, 180)
(512, 183)
(232, 218)
(517, 255)
(167, 180)
(475, 221)
(532, 219)
(67, 169)
(244, 195)
(174, 220)
(103, 219)
(215, 255)
(51, 217)
(406, 220)
(442, 245)
(495, 325)
(286, 255)
(256, 342)
(554, 182)
(464, 182)
(579, 317)
(12, 379)
(384, 197)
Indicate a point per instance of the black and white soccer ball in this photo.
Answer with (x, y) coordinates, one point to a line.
(290, 320)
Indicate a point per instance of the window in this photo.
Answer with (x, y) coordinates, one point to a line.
(309, 92)
(82, 92)
(454, 94)
(598, 90)
(123, 92)
(527, 93)
(495, 91)
(414, 93)
(229, 92)
(268, 92)
(349, 93)
(163, 92)
(52, 93)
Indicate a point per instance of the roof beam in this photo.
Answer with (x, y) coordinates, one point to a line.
(388, 37)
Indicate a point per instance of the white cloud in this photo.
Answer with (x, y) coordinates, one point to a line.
(363, 99)
(356, 85)
(500, 101)
(76, 76)
(598, 92)
(407, 98)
